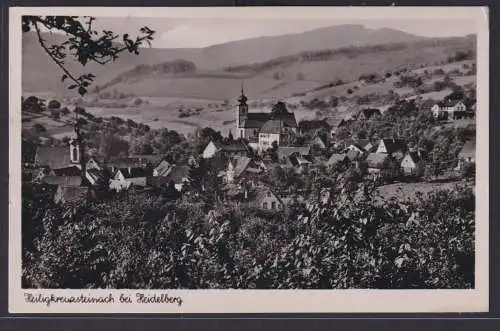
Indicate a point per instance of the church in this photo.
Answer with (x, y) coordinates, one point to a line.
(262, 130)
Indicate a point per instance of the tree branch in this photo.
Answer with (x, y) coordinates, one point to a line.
(56, 61)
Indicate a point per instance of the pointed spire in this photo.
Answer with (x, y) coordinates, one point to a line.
(242, 93)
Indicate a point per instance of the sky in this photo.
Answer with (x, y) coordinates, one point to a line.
(203, 32)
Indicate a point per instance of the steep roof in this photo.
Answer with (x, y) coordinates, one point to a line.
(62, 180)
(240, 164)
(157, 180)
(395, 145)
(415, 156)
(53, 157)
(255, 120)
(376, 160)
(469, 149)
(178, 173)
(369, 112)
(272, 126)
(68, 171)
(136, 172)
(353, 155)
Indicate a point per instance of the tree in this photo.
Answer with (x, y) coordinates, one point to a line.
(54, 104)
(33, 104)
(84, 44)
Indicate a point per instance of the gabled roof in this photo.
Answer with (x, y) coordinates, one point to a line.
(448, 103)
(272, 126)
(285, 151)
(376, 160)
(415, 156)
(135, 172)
(369, 112)
(395, 145)
(469, 149)
(353, 155)
(256, 120)
(68, 171)
(261, 194)
(53, 157)
(178, 173)
(62, 180)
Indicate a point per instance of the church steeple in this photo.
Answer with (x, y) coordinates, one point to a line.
(242, 111)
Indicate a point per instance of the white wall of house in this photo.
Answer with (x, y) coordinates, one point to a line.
(209, 151)
(381, 148)
(408, 165)
(266, 140)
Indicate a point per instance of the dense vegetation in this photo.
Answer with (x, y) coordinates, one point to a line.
(143, 240)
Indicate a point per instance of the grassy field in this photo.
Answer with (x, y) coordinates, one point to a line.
(404, 191)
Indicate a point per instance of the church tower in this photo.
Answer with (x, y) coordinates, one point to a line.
(74, 149)
(241, 114)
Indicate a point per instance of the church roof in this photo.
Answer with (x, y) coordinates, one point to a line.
(272, 126)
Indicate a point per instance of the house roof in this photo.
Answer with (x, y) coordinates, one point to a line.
(352, 155)
(376, 160)
(335, 158)
(448, 103)
(395, 145)
(285, 151)
(62, 180)
(72, 193)
(261, 194)
(272, 126)
(133, 161)
(135, 172)
(178, 173)
(68, 171)
(53, 157)
(416, 156)
(469, 149)
(369, 112)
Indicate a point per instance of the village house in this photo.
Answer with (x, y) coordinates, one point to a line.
(467, 155)
(368, 113)
(413, 164)
(232, 148)
(179, 175)
(135, 176)
(238, 166)
(396, 148)
(319, 143)
(446, 109)
(378, 164)
(284, 152)
(264, 198)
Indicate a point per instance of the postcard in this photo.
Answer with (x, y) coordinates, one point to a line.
(249, 160)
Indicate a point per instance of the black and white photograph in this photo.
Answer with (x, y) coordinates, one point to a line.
(238, 152)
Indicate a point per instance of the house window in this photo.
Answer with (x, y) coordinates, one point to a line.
(241, 134)
(268, 194)
(75, 154)
(264, 205)
(273, 205)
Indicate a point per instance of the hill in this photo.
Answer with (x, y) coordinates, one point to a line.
(41, 75)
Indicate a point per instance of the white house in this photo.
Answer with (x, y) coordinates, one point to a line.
(412, 164)
(447, 108)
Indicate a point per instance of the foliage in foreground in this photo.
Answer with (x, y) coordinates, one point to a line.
(143, 241)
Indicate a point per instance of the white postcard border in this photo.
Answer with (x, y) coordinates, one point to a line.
(262, 301)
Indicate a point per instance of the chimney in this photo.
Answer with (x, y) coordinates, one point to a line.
(129, 170)
(246, 193)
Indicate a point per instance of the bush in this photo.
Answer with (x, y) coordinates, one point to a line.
(54, 104)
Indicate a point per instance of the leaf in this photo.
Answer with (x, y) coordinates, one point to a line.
(82, 90)
(63, 78)
(71, 87)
